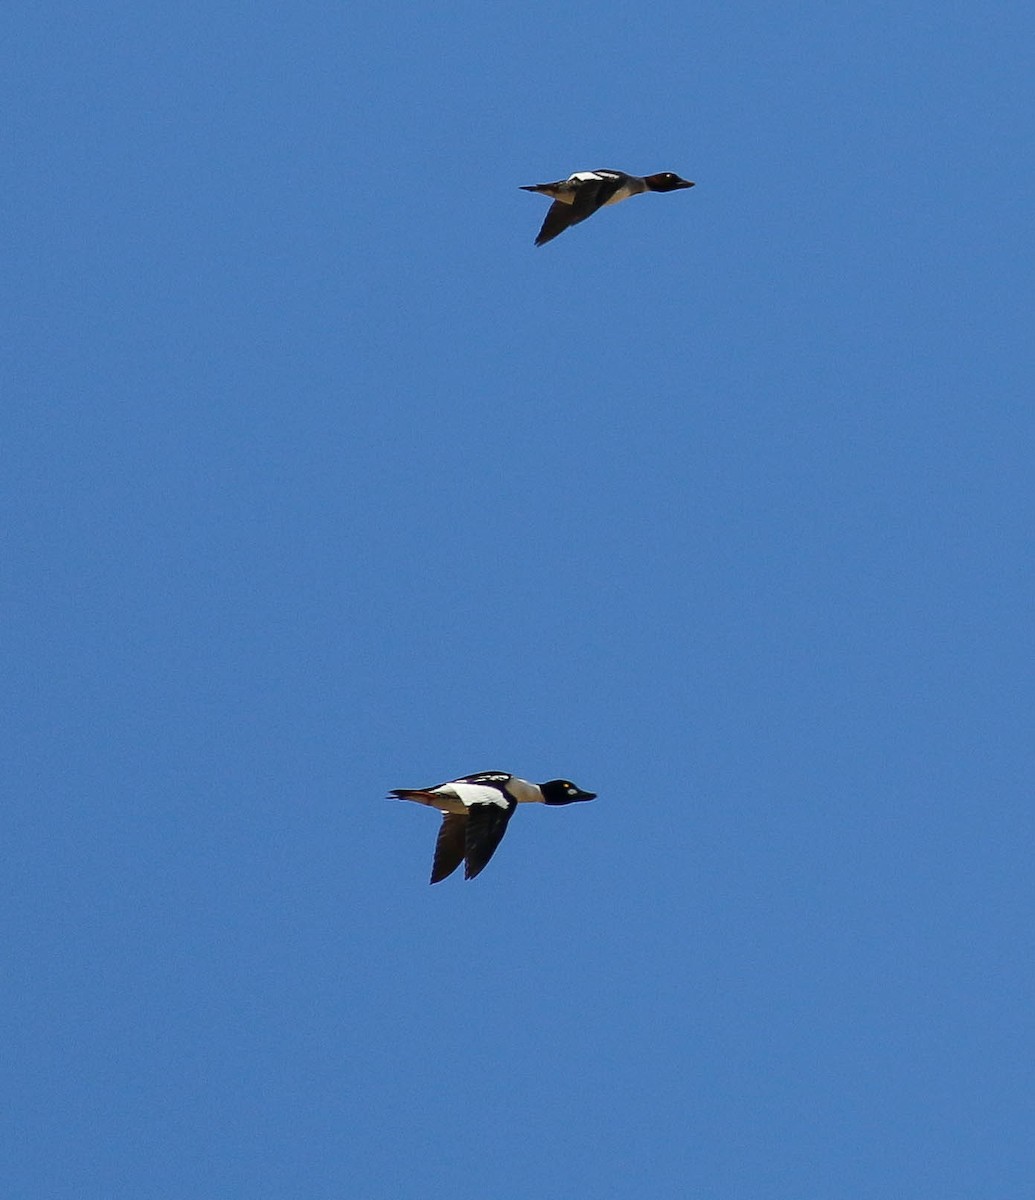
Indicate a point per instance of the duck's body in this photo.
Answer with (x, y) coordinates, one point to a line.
(477, 809)
(582, 194)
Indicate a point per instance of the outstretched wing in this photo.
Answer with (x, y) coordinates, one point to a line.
(591, 194)
(558, 218)
(449, 849)
(486, 825)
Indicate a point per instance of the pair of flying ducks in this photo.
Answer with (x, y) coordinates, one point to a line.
(477, 808)
(580, 195)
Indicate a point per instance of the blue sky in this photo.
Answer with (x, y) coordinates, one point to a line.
(320, 480)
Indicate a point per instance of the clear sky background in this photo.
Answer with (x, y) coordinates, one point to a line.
(320, 480)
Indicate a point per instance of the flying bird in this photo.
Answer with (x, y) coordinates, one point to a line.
(580, 195)
(476, 811)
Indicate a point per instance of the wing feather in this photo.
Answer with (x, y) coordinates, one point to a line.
(590, 195)
(486, 825)
(449, 848)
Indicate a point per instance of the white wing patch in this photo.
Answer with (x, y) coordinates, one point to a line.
(478, 793)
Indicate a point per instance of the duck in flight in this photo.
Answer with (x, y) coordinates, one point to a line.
(476, 811)
(580, 195)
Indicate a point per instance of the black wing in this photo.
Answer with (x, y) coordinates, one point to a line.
(491, 777)
(449, 849)
(497, 778)
(588, 198)
(486, 825)
(558, 218)
(610, 182)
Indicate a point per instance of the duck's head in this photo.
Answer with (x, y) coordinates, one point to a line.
(563, 791)
(666, 181)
